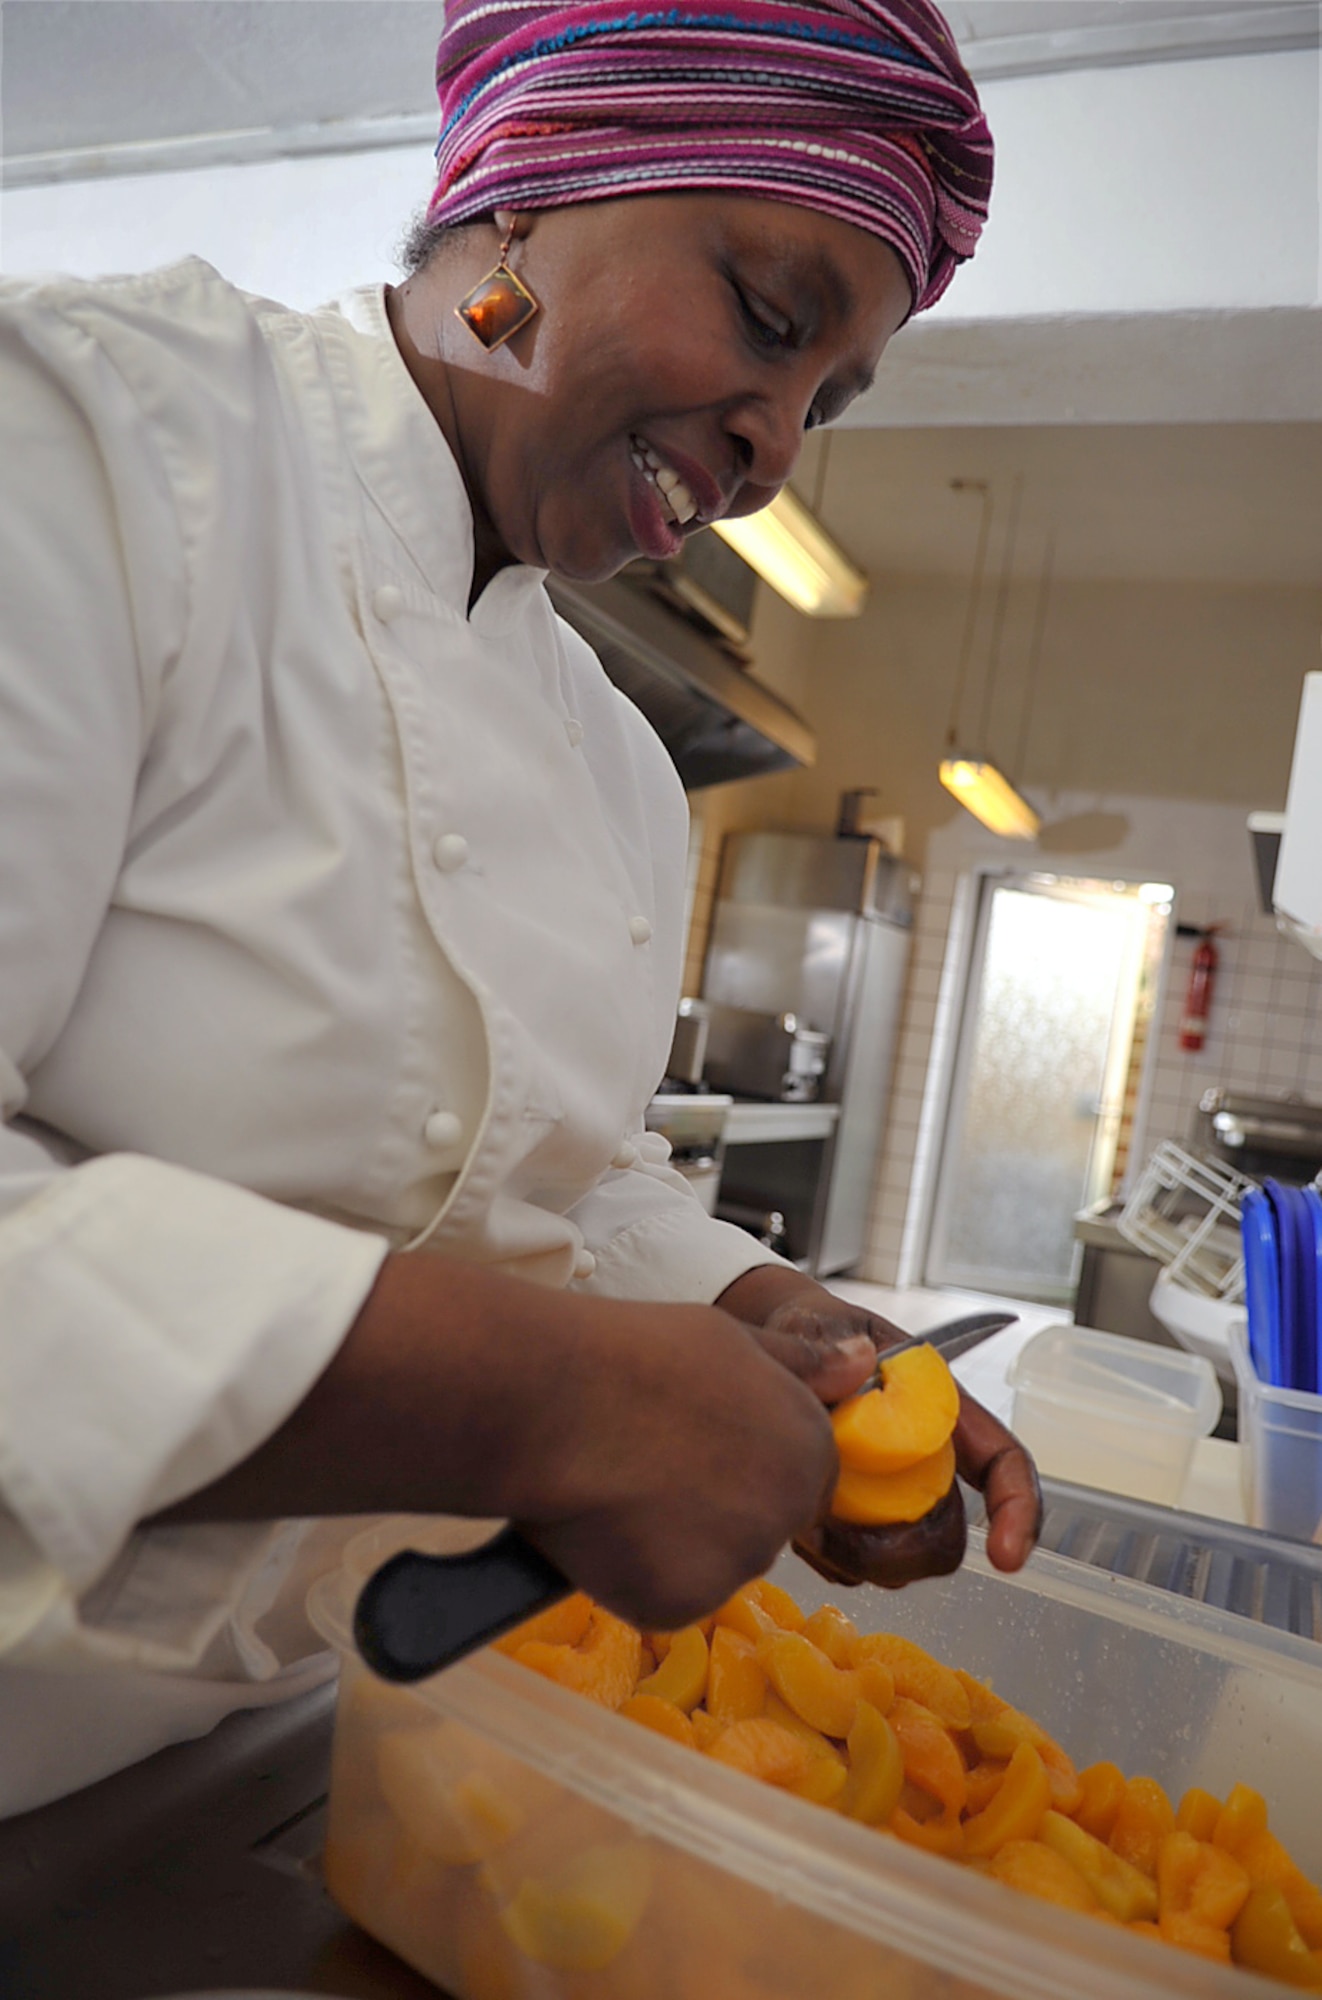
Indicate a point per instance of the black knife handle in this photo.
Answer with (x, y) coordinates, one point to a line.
(418, 1613)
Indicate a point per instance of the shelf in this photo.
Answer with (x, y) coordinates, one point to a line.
(750, 1124)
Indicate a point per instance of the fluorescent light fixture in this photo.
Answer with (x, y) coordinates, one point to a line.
(989, 797)
(790, 550)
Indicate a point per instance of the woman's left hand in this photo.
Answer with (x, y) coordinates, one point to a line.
(782, 1306)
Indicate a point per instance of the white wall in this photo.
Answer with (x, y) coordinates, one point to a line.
(1155, 188)
(299, 230)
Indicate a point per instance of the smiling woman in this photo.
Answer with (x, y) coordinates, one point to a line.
(734, 211)
(341, 894)
(684, 344)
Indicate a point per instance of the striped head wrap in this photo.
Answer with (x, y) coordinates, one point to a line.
(858, 108)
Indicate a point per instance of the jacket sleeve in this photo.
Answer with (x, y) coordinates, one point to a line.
(651, 1238)
(155, 1324)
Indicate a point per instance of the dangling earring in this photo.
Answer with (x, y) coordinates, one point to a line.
(499, 304)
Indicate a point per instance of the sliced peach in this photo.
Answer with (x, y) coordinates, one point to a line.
(603, 1666)
(1125, 1891)
(917, 1675)
(1145, 1817)
(931, 1756)
(907, 1419)
(744, 1615)
(1039, 1870)
(1197, 1813)
(1018, 1808)
(876, 1767)
(564, 1624)
(1000, 1737)
(662, 1716)
(582, 1917)
(456, 1816)
(1198, 1881)
(776, 1710)
(681, 1677)
(1103, 1788)
(777, 1603)
(870, 1498)
(763, 1749)
(835, 1633)
(825, 1696)
(736, 1682)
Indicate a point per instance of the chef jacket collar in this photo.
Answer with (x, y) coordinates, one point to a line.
(406, 463)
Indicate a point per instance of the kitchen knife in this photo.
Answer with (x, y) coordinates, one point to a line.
(418, 1613)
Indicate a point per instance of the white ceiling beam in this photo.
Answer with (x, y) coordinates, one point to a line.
(218, 149)
(1141, 368)
(1247, 30)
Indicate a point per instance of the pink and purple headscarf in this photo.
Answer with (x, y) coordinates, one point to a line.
(858, 108)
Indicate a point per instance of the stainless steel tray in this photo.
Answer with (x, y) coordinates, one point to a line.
(1256, 1575)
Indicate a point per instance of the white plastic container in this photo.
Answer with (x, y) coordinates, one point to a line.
(1121, 1414)
(733, 1891)
(1280, 1436)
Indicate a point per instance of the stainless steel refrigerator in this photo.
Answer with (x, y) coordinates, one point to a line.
(816, 928)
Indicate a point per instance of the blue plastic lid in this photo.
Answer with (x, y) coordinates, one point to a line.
(1262, 1287)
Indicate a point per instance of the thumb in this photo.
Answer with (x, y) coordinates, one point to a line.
(832, 1365)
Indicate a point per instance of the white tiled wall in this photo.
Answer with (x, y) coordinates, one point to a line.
(1264, 1025)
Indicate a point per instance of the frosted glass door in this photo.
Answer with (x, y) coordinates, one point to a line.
(1038, 1084)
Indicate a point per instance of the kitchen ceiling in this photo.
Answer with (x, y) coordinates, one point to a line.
(1221, 504)
(91, 75)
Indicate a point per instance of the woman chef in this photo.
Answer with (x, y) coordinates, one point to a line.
(340, 893)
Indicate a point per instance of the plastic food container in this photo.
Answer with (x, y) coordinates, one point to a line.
(513, 1841)
(1121, 1414)
(1280, 1436)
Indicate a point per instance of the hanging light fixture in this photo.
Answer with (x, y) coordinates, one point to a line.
(972, 777)
(790, 549)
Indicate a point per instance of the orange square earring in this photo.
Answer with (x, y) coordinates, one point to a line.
(498, 304)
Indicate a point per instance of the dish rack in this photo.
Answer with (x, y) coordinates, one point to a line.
(1185, 1212)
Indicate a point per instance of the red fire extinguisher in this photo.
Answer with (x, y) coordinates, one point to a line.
(1198, 998)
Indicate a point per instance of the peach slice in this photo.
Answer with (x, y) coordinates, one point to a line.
(907, 1419)
(870, 1498)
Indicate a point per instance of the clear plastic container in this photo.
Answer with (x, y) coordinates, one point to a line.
(462, 1809)
(1280, 1436)
(1121, 1414)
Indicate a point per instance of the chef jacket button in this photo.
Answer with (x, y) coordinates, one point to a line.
(626, 1156)
(574, 731)
(584, 1264)
(387, 602)
(443, 1130)
(639, 929)
(449, 851)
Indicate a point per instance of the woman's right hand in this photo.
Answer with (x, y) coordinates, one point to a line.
(696, 1451)
(661, 1455)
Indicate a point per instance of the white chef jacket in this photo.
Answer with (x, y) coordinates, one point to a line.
(332, 918)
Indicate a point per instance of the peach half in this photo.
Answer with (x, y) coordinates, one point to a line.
(874, 1498)
(907, 1419)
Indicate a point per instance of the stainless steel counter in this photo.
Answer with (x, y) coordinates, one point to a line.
(193, 1871)
(1115, 1279)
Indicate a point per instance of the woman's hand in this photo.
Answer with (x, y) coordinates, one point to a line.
(988, 1456)
(661, 1455)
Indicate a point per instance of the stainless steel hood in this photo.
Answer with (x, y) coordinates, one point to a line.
(714, 718)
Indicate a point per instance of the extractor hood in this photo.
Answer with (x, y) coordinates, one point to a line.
(714, 718)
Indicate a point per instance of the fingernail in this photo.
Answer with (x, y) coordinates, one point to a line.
(856, 1346)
